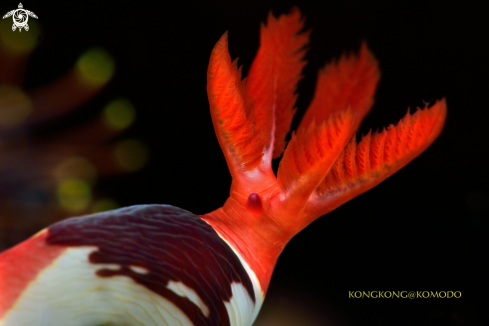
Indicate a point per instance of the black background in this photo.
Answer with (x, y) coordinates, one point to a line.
(422, 229)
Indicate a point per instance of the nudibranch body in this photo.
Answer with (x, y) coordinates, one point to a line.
(162, 265)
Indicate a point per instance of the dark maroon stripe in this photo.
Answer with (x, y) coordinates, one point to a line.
(172, 243)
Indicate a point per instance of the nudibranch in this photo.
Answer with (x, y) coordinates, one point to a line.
(162, 265)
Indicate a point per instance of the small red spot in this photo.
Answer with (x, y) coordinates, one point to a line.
(254, 202)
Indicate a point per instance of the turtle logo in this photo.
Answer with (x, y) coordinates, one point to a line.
(20, 17)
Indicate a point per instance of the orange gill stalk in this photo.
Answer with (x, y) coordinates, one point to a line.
(323, 166)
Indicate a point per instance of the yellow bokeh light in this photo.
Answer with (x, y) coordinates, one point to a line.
(95, 67)
(119, 114)
(103, 205)
(15, 106)
(131, 155)
(19, 43)
(74, 194)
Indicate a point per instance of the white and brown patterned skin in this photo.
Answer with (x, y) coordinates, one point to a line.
(140, 265)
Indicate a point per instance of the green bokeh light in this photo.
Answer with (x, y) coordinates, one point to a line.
(95, 67)
(74, 194)
(119, 114)
(19, 43)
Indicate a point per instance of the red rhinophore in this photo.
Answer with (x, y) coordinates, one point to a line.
(322, 166)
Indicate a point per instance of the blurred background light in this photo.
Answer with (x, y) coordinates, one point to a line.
(55, 162)
(76, 167)
(95, 67)
(103, 205)
(131, 154)
(19, 43)
(119, 114)
(15, 106)
(74, 194)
